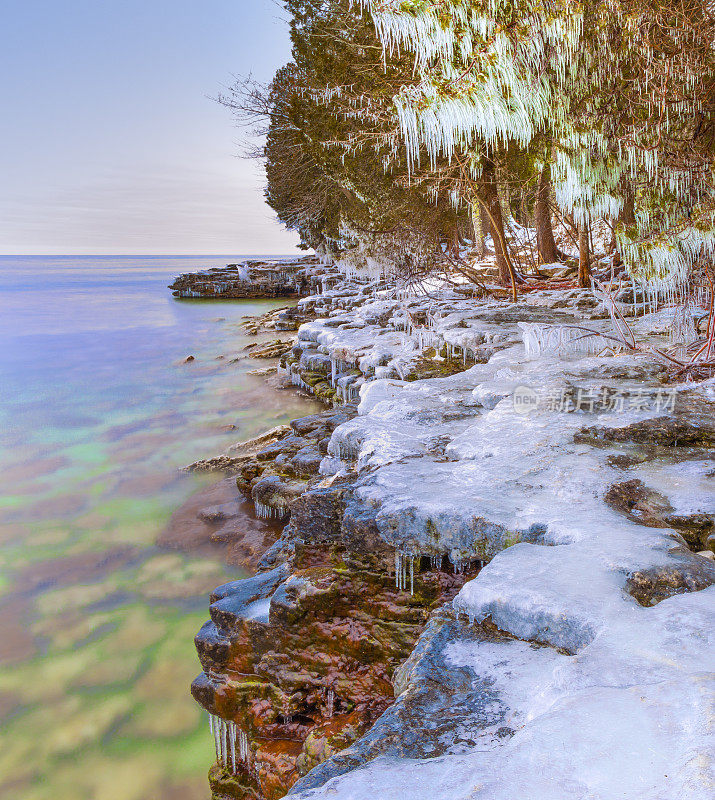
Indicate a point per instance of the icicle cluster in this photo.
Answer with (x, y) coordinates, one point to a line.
(348, 389)
(344, 450)
(231, 743)
(540, 339)
(264, 511)
(338, 367)
(497, 72)
(404, 566)
(297, 380)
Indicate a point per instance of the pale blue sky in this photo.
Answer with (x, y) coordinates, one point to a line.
(108, 141)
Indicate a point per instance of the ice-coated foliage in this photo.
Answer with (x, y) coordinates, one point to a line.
(620, 86)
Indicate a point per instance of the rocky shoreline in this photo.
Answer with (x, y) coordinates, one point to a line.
(252, 279)
(467, 596)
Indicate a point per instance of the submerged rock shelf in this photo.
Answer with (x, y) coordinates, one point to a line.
(495, 579)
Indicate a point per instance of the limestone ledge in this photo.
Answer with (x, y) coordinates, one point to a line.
(573, 662)
(253, 279)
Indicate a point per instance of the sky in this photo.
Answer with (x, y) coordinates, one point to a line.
(110, 142)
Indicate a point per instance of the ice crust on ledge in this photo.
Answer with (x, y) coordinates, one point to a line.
(606, 698)
(631, 717)
(690, 487)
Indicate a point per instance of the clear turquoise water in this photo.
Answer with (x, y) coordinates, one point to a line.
(98, 410)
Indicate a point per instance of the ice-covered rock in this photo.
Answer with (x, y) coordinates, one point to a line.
(630, 716)
(578, 663)
(602, 672)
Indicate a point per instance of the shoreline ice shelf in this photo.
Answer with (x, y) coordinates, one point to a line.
(556, 567)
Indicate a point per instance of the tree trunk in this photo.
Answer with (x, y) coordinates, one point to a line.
(489, 196)
(479, 244)
(542, 219)
(478, 217)
(454, 243)
(628, 212)
(584, 257)
(626, 218)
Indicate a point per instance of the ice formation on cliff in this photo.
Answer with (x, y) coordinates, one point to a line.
(226, 734)
(606, 697)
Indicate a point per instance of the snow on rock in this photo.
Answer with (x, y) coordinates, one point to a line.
(628, 717)
(689, 486)
(601, 670)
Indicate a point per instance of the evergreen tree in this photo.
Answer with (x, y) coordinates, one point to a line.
(335, 168)
(622, 88)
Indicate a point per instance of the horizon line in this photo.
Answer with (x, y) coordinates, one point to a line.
(147, 255)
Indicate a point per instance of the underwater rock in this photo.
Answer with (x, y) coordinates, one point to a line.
(217, 521)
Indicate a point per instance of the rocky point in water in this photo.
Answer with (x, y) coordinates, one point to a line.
(251, 279)
(469, 596)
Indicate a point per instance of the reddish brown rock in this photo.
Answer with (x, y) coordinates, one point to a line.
(315, 678)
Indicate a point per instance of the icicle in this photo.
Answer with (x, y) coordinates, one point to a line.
(264, 511)
(217, 737)
(330, 703)
(459, 566)
(213, 724)
(287, 718)
(243, 747)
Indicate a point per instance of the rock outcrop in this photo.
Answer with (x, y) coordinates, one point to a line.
(512, 536)
(300, 658)
(288, 277)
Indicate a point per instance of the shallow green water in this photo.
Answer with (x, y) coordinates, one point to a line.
(97, 412)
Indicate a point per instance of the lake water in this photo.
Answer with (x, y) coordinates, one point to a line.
(98, 410)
